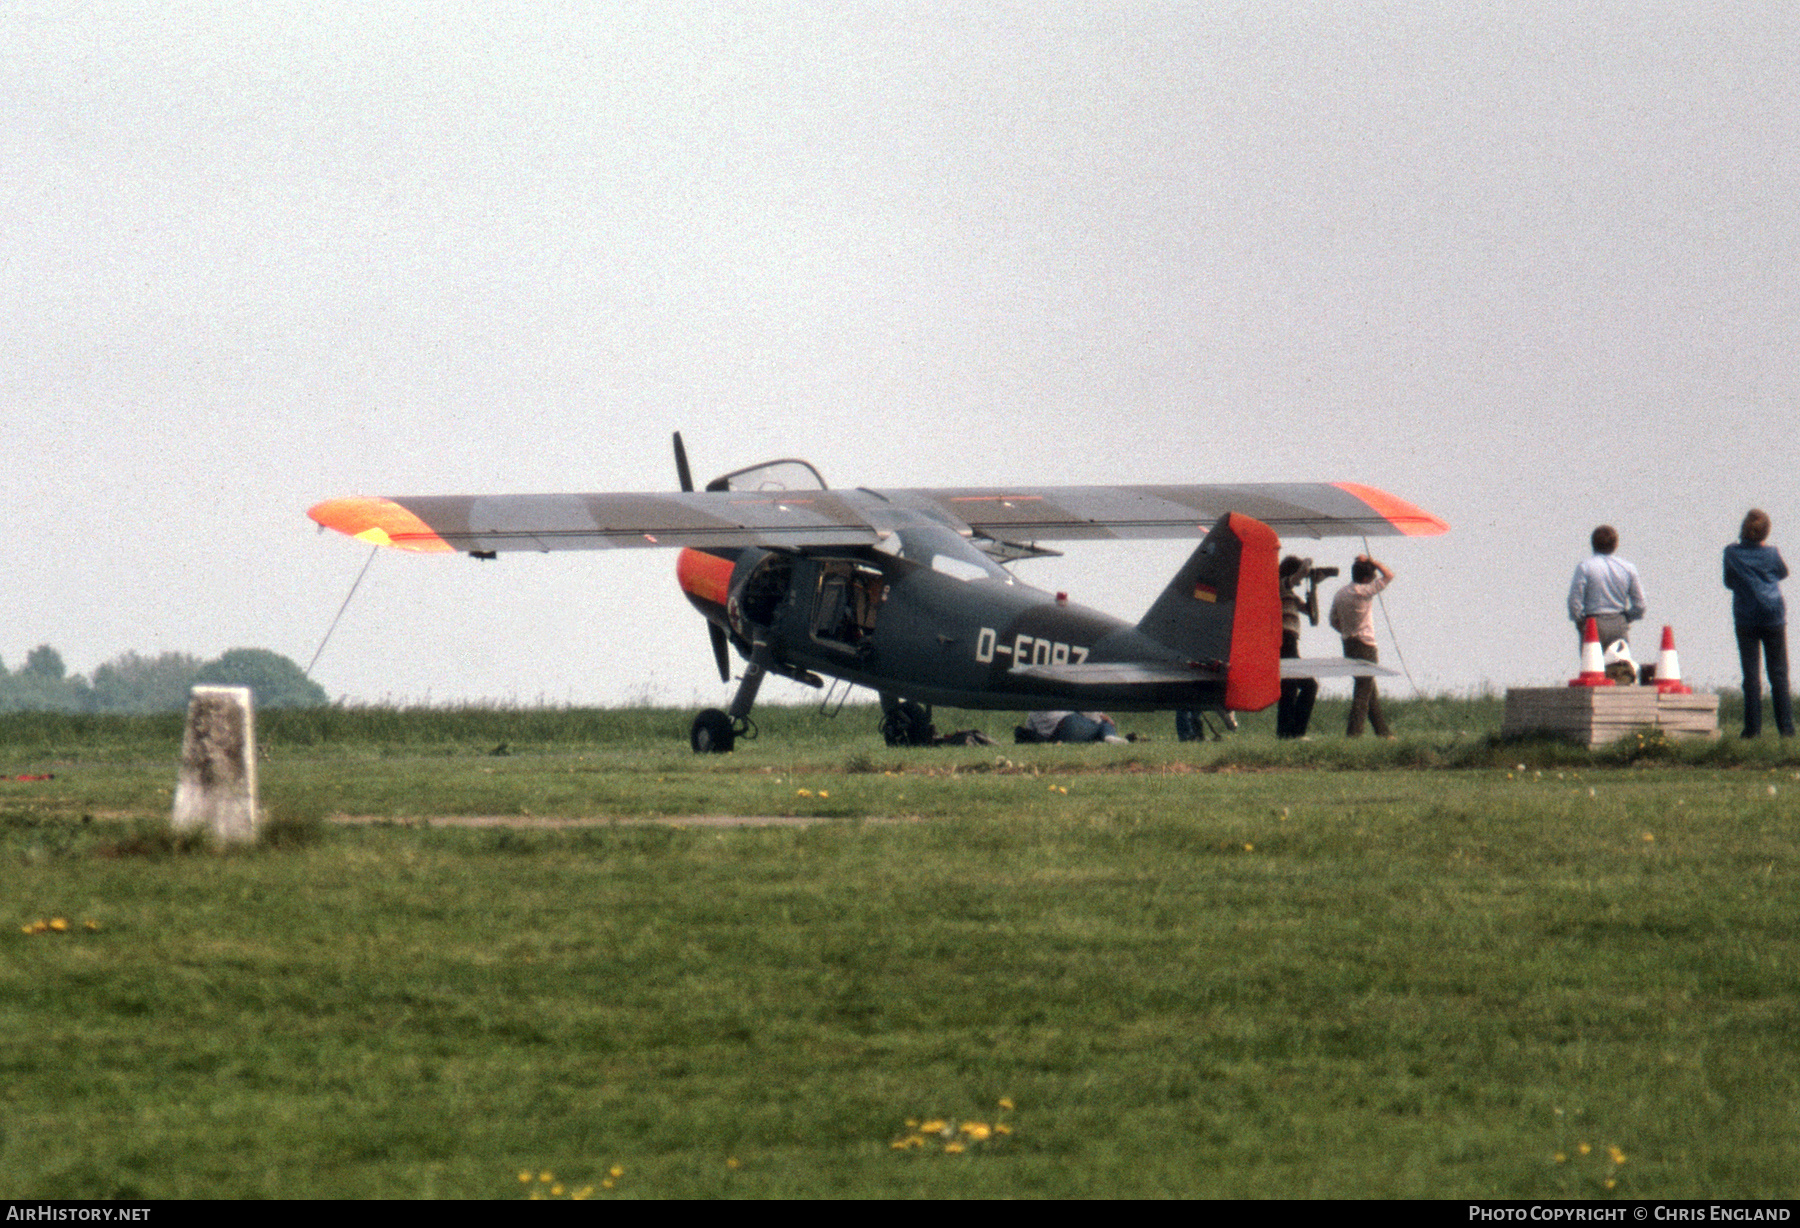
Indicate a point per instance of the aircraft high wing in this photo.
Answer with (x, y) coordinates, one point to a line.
(799, 519)
(902, 590)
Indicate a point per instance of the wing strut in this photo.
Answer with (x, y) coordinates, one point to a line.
(354, 584)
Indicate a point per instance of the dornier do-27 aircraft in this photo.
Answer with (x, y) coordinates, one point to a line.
(904, 592)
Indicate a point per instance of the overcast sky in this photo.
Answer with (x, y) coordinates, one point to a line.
(1532, 266)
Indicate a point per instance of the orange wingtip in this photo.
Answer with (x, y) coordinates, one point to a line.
(1410, 519)
(380, 522)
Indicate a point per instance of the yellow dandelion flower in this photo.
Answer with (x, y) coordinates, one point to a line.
(900, 1144)
(546, 1176)
(953, 1149)
(1002, 1128)
(1610, 1183)
(912, 1123)
(1582, 1148)
(977, 1131)
(1649, 838)
(616, 1171)
(524, 1178)
(582, 1194)
(606, 1184)
(1615, 1155)
(1249, 848)
(93, 925)
(732, 1162)
(1561, 1158)
(824, 793)
(1006, 1102)
(59, 924)
(934, 1126)
(557, 1189)
(802, 792)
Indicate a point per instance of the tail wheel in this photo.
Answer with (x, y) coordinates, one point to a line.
(712, 733)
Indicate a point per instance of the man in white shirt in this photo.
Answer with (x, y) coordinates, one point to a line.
(1351, 618)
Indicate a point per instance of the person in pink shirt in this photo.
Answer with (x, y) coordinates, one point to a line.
(1350, 618)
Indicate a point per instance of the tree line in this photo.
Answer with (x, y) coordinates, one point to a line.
(135, 683)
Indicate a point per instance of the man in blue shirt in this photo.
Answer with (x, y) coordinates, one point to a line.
(1606, 589)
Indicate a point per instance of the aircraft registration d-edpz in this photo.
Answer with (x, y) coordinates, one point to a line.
(904, 592)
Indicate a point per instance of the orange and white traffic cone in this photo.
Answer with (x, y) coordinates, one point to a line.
(1593, 660)
(1668, 668)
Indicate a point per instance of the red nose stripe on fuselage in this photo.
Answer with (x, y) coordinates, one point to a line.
(704, 576)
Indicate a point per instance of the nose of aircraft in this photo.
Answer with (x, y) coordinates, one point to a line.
(705, 578)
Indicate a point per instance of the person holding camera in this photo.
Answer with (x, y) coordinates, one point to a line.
(1297, 694)
(1350, 618)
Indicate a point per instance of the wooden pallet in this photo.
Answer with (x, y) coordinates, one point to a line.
(1594, 716)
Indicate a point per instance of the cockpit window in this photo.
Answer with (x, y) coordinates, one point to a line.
(961, 569)
(774, 475)
(944, 552)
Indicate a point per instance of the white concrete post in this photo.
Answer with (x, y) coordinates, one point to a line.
(217, 789)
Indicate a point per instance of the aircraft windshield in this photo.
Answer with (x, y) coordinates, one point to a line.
(772, 475)
(944, 552)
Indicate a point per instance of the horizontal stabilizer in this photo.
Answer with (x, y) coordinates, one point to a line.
(1115, 673)
(1333, 667)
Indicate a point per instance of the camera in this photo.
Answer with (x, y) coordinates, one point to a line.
(1296, 571)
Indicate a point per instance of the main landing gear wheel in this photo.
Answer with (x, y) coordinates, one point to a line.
(712, 733)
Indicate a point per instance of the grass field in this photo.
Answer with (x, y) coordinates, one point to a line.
(1446, 966)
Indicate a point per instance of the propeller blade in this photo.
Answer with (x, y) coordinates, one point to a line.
(721, 647)
(721, 651)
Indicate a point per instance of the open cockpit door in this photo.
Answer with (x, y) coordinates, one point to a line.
(849, 595)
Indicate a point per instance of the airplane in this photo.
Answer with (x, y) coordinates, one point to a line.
(905, 592)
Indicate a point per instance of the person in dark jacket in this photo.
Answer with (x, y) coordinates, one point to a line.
(1298, 695)
(1753, 572)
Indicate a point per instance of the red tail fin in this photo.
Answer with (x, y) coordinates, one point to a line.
(1253, 674)
(1224, 605)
